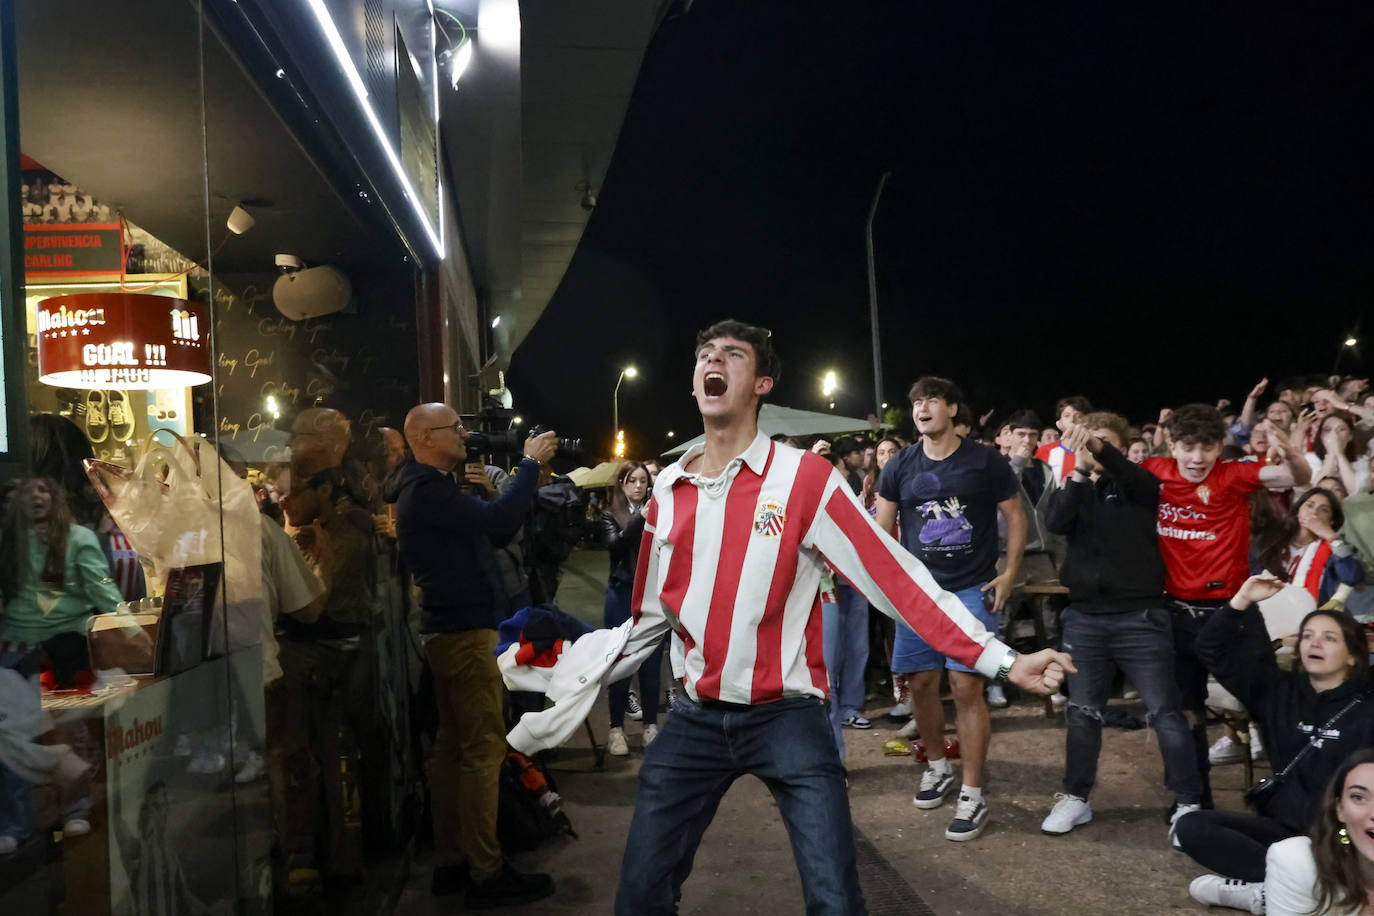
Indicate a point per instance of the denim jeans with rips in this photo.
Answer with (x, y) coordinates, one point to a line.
(1140, 643)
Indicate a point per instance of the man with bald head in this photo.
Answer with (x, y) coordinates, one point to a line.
(446, 539)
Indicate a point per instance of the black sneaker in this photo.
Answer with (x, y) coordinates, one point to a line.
(509, 888)
(857, 721)
(450, 879)
(970, 817)
(933, 789)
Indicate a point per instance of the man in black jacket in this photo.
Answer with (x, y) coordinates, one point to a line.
(446, 538)
(1116, 615)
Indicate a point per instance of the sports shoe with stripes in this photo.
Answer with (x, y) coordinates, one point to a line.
(969, 820)
(934, 787)
(1214, 890)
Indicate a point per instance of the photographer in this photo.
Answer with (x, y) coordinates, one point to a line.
(447, 539)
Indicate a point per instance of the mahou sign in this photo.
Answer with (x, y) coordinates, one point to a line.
(123, 340)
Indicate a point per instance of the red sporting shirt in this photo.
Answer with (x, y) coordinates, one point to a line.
(1204, 528)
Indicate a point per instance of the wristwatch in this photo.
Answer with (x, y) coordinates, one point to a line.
(535, 460)
(1004, 669)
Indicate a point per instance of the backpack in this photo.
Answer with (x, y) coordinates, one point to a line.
(530, 811)
(558, 522)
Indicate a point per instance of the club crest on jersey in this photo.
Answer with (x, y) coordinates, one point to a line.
(770, 518)
(1204, 493)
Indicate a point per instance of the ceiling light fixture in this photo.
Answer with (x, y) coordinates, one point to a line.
(336, 43)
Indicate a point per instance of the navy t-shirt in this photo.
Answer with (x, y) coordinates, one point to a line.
(948, 509)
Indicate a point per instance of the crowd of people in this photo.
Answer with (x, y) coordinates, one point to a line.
(1215, 558)
(1166, 535)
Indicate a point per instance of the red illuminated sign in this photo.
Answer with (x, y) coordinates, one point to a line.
(123, 340)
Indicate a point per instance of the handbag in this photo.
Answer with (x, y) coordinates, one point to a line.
(1262, 793)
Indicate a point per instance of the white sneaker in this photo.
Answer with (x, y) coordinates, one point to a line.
(1179, 811)
(616, 745)
(1214, 890)
(650, 733)
(1256, 745)
(253, 767)
(76, 826)
(633, 710)
(997, 697)
(207, 764)
(969, 820)
(8, 845)
(908, 730)
(900, 711)
(1069, 811)
(1224, 751)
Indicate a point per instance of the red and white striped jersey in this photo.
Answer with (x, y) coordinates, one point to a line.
(1059, 458)
(732, 565)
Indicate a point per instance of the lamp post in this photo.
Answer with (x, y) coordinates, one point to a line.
(627, 372)
(873, 293)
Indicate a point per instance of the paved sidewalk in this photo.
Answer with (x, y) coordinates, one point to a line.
(1121, 863)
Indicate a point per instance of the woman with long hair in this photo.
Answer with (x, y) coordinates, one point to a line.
(622, 527)
(1311, 719)
(1329, 872)
(1305, 548)
(53, 576)
(1335, 454)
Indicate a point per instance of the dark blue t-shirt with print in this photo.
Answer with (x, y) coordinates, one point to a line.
(947, 509)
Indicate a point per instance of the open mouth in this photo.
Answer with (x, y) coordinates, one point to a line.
(714, 385)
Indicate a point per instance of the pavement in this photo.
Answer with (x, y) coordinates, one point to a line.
(1120, 863)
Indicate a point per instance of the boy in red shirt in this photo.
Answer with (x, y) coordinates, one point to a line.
(1204, 538)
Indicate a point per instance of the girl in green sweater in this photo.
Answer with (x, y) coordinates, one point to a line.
(54, 576)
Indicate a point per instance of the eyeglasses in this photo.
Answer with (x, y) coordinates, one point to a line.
(456, 426)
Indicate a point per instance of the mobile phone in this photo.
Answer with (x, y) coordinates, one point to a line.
(1307, 406)
(990, 599)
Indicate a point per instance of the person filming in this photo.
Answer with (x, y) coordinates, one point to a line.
(446, 538)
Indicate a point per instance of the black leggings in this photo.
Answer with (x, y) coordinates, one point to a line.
(1232, 845)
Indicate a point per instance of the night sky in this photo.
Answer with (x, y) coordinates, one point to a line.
(1147, 206)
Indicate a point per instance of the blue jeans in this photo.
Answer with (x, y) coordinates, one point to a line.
(615, 612)
(1141, 644)
(701, 751)
(911, 653)
(845, 631)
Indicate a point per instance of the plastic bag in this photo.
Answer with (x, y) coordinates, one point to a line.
(183, 506)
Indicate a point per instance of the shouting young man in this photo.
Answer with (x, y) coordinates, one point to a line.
(735, 540)
(949, 490)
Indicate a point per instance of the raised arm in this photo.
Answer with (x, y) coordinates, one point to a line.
(1235, 645)
(900, 586)
(1294, 472)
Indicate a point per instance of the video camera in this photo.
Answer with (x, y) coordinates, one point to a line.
(493, 432)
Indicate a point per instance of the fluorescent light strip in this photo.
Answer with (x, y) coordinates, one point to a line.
(355, 79)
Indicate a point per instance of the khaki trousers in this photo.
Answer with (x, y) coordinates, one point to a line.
(465, 768)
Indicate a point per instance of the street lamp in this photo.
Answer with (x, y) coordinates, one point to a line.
(830, 383)
(627, 372)
(1350, 342)
(671, 434)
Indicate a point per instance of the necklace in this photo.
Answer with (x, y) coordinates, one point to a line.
(716, 473)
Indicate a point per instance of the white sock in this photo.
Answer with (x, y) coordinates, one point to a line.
(942, 766)
(971, 793)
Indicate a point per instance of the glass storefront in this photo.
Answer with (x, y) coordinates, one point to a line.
(207, 658)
